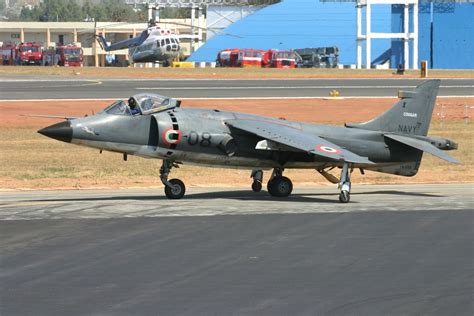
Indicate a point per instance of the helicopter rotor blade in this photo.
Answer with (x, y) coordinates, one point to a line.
(95, 28)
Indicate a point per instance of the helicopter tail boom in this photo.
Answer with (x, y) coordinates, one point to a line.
(122, 44)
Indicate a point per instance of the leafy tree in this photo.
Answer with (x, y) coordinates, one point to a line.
(105, 10)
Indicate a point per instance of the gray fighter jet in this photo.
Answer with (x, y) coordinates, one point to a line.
(154, 126)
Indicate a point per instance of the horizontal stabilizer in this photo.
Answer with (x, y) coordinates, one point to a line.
(423, 146)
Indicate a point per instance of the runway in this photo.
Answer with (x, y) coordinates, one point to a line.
(107, 88)
(395, 249)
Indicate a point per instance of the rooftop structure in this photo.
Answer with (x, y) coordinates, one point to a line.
(53, 33)
(394, 32)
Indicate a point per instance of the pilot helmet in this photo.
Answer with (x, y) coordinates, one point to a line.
(132, 103)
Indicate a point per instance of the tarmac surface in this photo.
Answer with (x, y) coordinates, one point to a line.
(108, 88)
(394, 250)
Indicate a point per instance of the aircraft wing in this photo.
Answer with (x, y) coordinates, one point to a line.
(294, 138)
(423, 146)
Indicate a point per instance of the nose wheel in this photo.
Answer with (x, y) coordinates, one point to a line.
(174, 188)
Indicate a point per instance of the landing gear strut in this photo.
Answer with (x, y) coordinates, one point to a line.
(257, 176)
(345, 184)
(174, 188)
(278, 185)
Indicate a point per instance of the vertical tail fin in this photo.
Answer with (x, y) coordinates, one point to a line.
(410, 115)
(103, 43)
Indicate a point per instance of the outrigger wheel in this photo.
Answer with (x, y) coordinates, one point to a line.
(176, 190)
(345, 184)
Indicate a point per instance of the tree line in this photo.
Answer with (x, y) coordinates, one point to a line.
(70, 10)
(104, 10)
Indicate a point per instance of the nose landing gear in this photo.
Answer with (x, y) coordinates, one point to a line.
(174, 188)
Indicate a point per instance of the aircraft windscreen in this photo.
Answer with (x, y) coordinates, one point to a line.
(152, 103)
(147, 104)
(119, 107)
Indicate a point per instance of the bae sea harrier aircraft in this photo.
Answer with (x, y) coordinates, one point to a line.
(154, 126)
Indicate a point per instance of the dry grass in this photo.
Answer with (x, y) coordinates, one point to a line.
(31, 161)
(237, 73)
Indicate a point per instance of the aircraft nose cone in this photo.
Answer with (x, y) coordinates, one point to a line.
(61, 131)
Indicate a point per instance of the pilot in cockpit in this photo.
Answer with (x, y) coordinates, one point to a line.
(132, 104)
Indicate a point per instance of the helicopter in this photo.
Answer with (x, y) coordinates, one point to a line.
(154, 44)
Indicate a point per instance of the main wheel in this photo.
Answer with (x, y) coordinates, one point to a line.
(280, 187)
(344, 196)
(176, 191)
(256, 186)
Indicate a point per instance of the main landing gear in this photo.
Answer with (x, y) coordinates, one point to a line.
(174, 188)
(278, 185)
(345, 184)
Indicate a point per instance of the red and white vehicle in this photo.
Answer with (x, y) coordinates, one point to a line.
(22, 54)
(250, 58)
(70, 55)
(8, 53)
(279, 59)
(29, 54)
(256, 58)
(228, 57)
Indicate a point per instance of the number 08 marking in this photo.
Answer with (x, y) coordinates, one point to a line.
(203, 140)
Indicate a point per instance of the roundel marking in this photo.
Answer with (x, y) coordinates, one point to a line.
(328, 150)
(171, 136)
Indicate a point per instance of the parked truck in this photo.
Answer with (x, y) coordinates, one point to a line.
(22, 54)
(70, 55)
(320, 57)
(29, 54)
(279, 59)
(8, 53)
(272, 58)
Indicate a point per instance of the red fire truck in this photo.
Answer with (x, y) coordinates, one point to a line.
(240, 58)
(22, 54)
(29, 54)
(228, 57)
(250, 58)
(256, 58)
(70, 55)
(279, 59)
(8, 53)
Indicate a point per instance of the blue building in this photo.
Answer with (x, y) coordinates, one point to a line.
(446, 31)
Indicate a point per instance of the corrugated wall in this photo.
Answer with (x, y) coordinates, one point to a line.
(295, 24)
(446, 35)
(299, 24)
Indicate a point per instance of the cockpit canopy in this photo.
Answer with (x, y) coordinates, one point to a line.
(147, 103)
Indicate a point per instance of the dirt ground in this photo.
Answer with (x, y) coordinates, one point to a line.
(226, 73)
(36, 162)
(330, 111)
